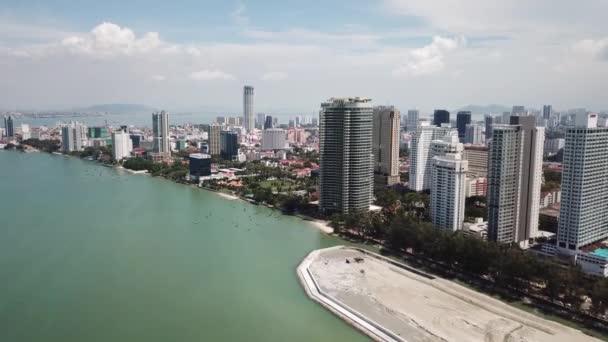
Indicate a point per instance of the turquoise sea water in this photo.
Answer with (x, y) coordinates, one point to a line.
(89, 253)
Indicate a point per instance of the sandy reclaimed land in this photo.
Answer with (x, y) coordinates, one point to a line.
(420, 309)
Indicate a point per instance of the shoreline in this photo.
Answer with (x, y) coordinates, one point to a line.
(318, 224)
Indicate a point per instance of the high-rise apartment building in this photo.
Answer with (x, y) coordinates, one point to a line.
(473, 135)
(583, 218)
(229, 145)
(412, 120)
(385, 145)
(547, 112)
(268, 123)
(477, 156)
(160, 132)
(488, 120)
(463, 119)
(345, 155)
(248, 107)
(9, 126)
(215, 131)
(440, 117)
(274, 139)
(514, 180)
(72, 137)
(420, 154)
(448, 191)
(121, 145)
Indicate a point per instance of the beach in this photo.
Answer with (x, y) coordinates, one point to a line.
(418, 307)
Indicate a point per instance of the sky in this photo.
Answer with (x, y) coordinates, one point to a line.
(198, 55)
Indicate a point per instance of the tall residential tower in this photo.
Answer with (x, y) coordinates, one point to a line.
(514, 180)
(345, 155)
(160, 132)
(385, 146)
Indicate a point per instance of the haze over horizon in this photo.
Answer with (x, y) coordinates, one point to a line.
(192, 54)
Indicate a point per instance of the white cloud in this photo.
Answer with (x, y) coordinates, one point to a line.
(597, 48)
(108, 39)
(275, 76)
(209, 75)
(430, 58)
(158, 78)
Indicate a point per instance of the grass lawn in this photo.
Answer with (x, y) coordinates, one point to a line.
(274, 184)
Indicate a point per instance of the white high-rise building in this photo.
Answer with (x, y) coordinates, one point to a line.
(345, 155)
(160, 132)
(421, 156)
(448, 191)
(583, 216)
(385, 141)
(274, 139)
(72, 137)
(514, 180)
(474, 135)
(412, 120)
(248, 108)
(121, 145)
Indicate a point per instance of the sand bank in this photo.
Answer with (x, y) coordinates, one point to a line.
(415, 308)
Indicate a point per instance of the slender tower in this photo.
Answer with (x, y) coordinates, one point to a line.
(248, 107)
(345, 147)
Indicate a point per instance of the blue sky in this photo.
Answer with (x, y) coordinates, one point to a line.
(185, 55)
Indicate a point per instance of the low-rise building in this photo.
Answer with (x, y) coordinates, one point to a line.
(477, 229)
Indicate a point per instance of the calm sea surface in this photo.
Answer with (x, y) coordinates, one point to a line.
(89, 253)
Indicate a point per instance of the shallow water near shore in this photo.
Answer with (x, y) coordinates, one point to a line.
(89, 253)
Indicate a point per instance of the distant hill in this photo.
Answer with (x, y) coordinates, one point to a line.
(487, 109)
(118, 108)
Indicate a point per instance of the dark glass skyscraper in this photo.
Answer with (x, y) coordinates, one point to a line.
(441, 116)
(462, 120)
(268, 122)
(9, 126)
(229, 145)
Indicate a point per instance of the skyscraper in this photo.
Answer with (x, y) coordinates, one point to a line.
(229, 145)
(462, 120)
(260, 120)
(248, 107)
(583, 218)
(473, 135)
(72, 137)
(518, 111)
(514, 180)
(268, 122)
(421, 156)
(489, 120)
(345, 155)
(448, 191)
(9, 126)
(215, 130)
(547, 111)
(440, 117)
(385, 146)
(121, 145)
(412, 120)
(160, 132)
